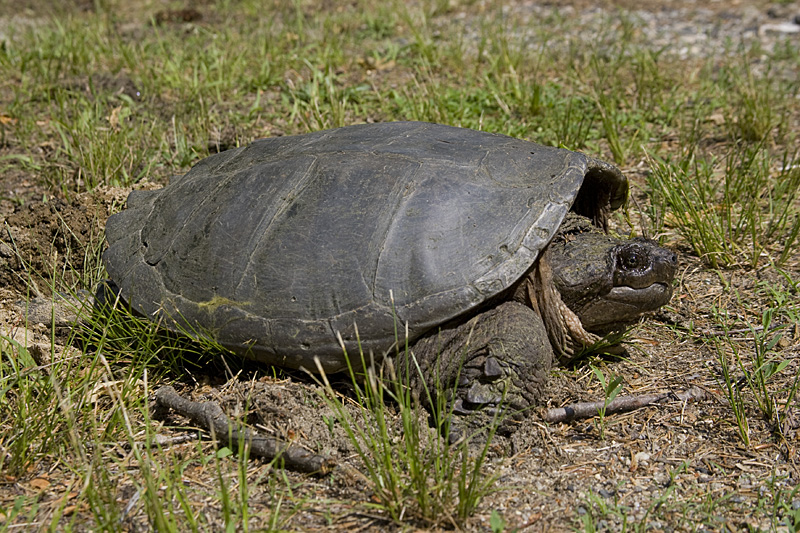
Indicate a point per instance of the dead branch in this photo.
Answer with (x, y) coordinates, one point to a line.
(619, 405)
(209, 416)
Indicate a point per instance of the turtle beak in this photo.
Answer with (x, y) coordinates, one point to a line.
(643, 275)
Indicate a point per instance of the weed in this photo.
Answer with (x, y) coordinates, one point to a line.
(597, 511)
(414, 470)
(496, 522)
(732, 390)
(757, 371)
(611, 388)
(722, 217)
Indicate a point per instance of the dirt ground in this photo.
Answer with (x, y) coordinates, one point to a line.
(680, 462)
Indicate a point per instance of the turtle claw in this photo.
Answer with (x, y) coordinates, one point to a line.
(475, 411)
(481, 394)
(492, 369)
(467, 421)
(459, 409)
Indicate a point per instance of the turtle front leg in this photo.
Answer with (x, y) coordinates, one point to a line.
(499, 358)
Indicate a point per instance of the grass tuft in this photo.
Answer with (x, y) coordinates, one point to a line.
(415, 472)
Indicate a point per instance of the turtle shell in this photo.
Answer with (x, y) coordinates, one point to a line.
(275, 248)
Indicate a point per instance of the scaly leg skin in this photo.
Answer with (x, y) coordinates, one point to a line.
(500, 358)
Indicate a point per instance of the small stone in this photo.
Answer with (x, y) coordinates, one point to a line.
(781, 27)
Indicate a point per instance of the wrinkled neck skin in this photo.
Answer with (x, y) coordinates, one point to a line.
(587, 284)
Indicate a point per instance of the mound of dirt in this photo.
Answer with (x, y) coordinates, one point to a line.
(56, 244)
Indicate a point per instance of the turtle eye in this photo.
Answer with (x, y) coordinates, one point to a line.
(632, 258)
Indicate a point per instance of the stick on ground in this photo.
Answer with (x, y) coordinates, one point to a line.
(620, 405)
(209, 416)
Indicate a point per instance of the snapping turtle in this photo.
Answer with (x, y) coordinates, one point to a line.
(277, 248)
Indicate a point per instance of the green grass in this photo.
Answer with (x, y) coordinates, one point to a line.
(739, 209)
(611, 387)
(704, 510)
(748, 372)
(416, 473)
(91, 412)
(107, 98)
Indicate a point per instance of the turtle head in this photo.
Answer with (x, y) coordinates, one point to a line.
(588, 283)
(610, 283)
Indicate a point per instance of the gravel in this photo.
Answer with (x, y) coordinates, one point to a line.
(683, 28)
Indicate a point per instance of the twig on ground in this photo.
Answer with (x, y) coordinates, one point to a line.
(165, 441)
(619, 405)
(209, 416)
